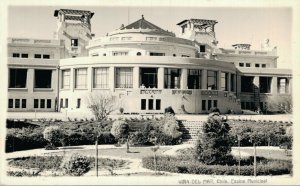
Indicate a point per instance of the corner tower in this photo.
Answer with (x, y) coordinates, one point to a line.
(74, 28)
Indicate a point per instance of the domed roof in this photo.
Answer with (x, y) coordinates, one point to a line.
(142, 26)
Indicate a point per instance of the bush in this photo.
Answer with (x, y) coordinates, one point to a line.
(76, 165)
(213, 145)
(177, 165)
(120, 129)
(170, 126)
(169, 110)
(54, 135)
(214, 109)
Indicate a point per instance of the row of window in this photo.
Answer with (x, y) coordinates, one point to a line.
(18, 78)
(125, 53)
(22, 103)
(209, 105)
(257, 65)
(148, 78)
(25, 55)
(150, 104)
(64, 103)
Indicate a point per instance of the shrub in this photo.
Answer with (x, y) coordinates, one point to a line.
(76, 165)
(120, 129)
(169, 110)
(213, 145)
(214, 109)
(54, 135)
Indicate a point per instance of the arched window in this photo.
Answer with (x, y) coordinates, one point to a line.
(139, 54)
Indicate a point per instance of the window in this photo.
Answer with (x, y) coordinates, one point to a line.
(66, 103)
(48, 103)
(172, 78)
(36, 103)
(241, 64)
(120, 53)
(124, 78)
(156, 54)
(61, 103)
(37, 56)
(17, 78)
(17, 103)
(185, 56)
(194, 79)
(46, 56)
(203, 104)
(138, 54)
(202, 48)
(209, 104)
(42, 103)
(94, 55)
(150, 104)
(257, 65)
(212, 79)
(148, 77)
(81, 78)
(74, 42)
(263, 65)
(224, 81)
(282, 85)
(157, 105)
(143, 104)
(24, 55)
(100, 78)
(265, 84)
(78, 103)
(42, 78)
(247, 83)
(215, 103)
(16, 55)
(23, 103)
(232, 82)
(65, 79)
(248, 65)
(10, 103)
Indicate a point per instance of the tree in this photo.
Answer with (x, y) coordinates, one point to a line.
(213, 145)
(281, 104)
(120, 129)
(101, 105)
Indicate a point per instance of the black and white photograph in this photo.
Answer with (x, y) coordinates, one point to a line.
(150, 93)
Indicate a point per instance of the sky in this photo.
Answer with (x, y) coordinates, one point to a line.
(235, 25)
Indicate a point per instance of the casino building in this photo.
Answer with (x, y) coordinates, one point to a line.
(144, 67)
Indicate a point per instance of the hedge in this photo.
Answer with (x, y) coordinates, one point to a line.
(177, 165)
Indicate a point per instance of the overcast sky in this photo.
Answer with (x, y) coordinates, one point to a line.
(235, 25)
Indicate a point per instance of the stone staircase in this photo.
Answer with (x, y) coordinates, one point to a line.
(190, 130)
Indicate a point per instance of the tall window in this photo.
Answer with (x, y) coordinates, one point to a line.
(143, 104)
(282, 85)
(202, 48)
(232, 82)
(150, 104)
(65, 79)
(100, 78)
(42, 78)
(74, 42)
(17, 78)
(81, 78)
(157, 105)
(194, 79)
(36, 103)
(172, 78)
(17, 103)
(48, 103)
(224, 81)
(203, 104)
(247, 83)
(42, 103)
(124, 78)
(265, 84)
(212, 79)
(148, 77)
(10, 103)
(23, 103)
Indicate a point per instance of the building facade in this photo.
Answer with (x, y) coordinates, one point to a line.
(143, 67)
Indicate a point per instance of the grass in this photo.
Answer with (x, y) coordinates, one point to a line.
(267, 153)
(135, 152)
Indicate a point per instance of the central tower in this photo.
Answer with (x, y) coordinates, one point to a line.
(74, 27)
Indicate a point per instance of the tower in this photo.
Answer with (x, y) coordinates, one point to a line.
(202, 31)
(74, 28)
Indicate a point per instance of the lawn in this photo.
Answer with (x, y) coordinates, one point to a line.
(267, 153)
(135, 152)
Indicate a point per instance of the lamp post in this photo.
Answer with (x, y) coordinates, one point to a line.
(96, 159)
(254, 155)
(239, 145)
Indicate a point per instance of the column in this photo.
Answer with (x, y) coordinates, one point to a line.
(204, 79)
(290, 85)
(183, 80)
(274, 88)
(136, 77)
(238, 85)
(30, 80)
(234, 82)
(219, 79)
(72, 79)
(111, 78)
(160, 77)
(90, 78)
